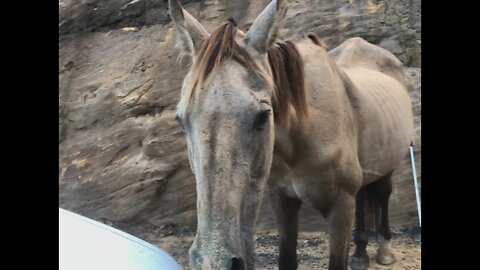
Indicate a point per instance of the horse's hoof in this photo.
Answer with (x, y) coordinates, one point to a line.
(359, 263)
(385, 258)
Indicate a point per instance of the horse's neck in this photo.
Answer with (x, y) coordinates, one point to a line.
(329, 108)
(325, 85)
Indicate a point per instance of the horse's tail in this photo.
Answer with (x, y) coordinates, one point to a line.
(372, 208)
(375, 194)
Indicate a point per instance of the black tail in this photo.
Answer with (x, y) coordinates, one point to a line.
(376, 194)
(372, 208)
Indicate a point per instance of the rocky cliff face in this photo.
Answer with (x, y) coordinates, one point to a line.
(122, 155)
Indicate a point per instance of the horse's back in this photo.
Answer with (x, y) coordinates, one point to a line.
(357, 52)
(382, 104)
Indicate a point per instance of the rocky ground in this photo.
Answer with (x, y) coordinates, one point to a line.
(312, 247)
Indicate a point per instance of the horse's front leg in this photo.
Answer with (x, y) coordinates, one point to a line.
(286, 211)
(340, 227)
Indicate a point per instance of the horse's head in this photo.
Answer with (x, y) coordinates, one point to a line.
(226, 112)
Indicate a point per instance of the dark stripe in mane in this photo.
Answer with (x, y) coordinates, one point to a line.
(316, 40)
(286, 64)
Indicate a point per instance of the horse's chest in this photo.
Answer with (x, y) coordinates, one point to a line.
(313, 186)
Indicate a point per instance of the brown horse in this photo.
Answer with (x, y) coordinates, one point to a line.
(322, 128)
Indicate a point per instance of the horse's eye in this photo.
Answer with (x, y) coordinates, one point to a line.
(261, 119)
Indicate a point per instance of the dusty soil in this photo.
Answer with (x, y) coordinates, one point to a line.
(312, 247)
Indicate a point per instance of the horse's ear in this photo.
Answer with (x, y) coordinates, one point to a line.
(264, 30)
(190, 32)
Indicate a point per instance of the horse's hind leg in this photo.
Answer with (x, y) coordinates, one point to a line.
(360, 259)
(286, 211)
(384, 189)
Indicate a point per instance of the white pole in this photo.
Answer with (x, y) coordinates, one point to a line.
(412, 159)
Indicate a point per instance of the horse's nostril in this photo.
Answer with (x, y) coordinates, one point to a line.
(237, 264)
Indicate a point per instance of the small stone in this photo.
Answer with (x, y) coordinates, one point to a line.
(130, 29)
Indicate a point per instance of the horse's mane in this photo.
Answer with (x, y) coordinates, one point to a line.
(287, 71)
(285, 62)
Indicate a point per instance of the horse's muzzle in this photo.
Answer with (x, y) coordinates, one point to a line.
(234, 263)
